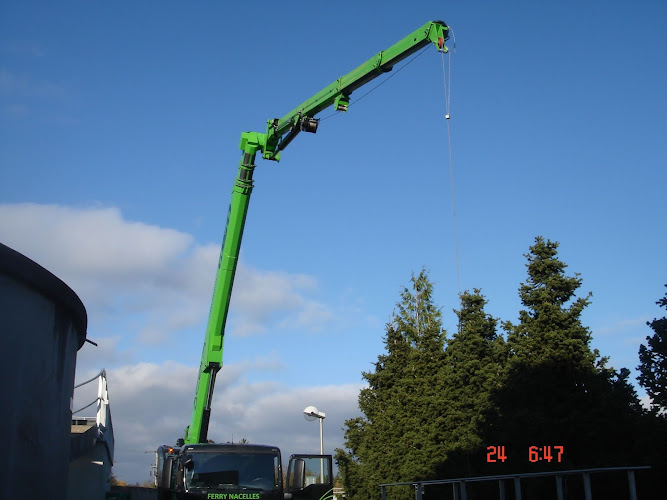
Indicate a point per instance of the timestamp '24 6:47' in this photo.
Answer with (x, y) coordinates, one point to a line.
(535, 453)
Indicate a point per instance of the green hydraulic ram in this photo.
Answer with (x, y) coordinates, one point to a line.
(279, 133)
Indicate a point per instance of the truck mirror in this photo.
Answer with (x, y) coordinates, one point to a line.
(299, 474)
(189, 464)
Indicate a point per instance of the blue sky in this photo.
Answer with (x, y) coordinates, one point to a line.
(119, 130)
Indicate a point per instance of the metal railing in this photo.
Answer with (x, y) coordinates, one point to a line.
(459, 485)
(103, 412)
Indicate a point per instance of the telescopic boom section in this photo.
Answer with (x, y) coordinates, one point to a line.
(211, 360)
(279, 133)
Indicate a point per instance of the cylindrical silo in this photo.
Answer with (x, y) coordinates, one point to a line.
(43, 325)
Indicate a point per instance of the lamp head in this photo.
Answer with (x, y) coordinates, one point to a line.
(310, 413)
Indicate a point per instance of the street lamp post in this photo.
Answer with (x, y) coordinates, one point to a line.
(311, 413)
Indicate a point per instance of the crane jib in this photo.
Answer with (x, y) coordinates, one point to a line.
(279, 133)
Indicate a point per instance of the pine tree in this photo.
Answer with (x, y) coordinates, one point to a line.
(474, 366)
(543, 396)
(549, 331)
(653, 362)
(558, 391)
(398, 438)
(422, 442)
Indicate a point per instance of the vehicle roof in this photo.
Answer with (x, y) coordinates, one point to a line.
(230, 448)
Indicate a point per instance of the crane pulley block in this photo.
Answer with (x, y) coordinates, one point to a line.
(341, 103)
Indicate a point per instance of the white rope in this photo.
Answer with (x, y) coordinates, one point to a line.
(451, 163)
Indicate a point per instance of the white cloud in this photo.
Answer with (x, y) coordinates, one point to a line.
(646, 401)
(158, 276)
(622, 327)
(140, 284)
(259, 295)
(108, 352)
(151, 405)
(95, 242)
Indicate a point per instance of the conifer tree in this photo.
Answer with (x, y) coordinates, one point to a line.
(398, 438)
(653, 359)
(549, 330)
(550, 359)
(422, 442)
(473, 370)
(558, 391)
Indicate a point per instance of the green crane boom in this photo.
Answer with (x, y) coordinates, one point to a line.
(279, 133)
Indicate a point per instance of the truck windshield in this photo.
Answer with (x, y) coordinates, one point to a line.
(234, 471)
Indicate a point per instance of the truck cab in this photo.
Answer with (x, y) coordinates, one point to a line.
(240, 472)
